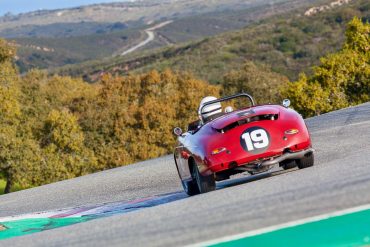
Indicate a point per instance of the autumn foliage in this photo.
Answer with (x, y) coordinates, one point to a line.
(54, 127)
(132, 117)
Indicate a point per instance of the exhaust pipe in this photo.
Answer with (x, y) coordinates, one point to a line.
(287, 156)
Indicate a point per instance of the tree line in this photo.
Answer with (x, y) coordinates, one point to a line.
(58, 127)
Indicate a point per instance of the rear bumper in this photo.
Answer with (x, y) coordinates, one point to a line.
(259, 164)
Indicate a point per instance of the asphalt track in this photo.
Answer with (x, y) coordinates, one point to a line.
(339, 180)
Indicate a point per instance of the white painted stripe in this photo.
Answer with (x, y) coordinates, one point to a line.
(33, 215)
(282, 226)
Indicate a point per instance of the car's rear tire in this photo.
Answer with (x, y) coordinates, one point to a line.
(204, 183)
(306, 161)
(190, 187)
(288, 164)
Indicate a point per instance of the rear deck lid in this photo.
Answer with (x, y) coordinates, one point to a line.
(239, 117)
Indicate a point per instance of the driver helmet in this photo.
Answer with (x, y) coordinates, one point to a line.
(209, 110)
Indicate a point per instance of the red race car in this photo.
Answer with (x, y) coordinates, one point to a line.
(253, 139)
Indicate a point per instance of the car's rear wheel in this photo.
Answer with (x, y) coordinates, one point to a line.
(204, 183)
(288, 164)
(306, 161)
(190, 187)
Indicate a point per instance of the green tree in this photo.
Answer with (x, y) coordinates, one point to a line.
(7, 52)
(260, 82)
(64, 152)
(342, 79)
(17, 151)
(40, 140)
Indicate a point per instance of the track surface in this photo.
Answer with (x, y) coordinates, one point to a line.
(340, 179)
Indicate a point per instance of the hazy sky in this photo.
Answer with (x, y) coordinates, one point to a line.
(20, 6)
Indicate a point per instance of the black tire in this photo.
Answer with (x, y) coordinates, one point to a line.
(190, 187)
(204, 183)
(306, 161)
(289, 164)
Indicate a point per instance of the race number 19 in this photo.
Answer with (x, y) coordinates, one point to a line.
(255, 140)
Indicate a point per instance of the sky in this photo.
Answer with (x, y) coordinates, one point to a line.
(21, 6)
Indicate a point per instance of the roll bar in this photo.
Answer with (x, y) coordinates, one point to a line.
(227, 98)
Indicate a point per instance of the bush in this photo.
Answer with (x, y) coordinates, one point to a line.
(260, 82)
(342, 79)
(132, 117)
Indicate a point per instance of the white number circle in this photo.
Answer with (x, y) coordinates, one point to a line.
(255, 140)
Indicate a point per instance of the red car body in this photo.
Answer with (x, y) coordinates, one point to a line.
(252, 139)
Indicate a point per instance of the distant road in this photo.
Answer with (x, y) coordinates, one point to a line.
(150, 38)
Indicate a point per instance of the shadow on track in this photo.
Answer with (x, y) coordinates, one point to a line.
(248, 179)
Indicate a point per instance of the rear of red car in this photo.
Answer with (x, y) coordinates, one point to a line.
(228, 142)
(253, 137)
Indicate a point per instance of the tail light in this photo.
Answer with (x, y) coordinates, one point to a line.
(291, 132)
(218, 151)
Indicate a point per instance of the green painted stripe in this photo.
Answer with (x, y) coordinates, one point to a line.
(347, 230)
(28, 226)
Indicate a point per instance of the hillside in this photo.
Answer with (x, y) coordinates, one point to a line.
(52, 52)
(74, 40)
(62, 29)
(129, 12)
(289, 43)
